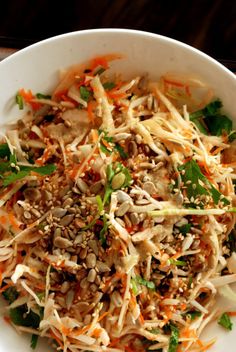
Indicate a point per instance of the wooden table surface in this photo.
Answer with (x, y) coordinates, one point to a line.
(209, 25)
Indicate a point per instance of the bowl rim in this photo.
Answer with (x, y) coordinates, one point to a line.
(120, 31)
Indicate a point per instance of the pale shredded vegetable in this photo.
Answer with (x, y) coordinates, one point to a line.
(117, 213)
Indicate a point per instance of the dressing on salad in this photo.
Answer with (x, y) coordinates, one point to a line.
(117, 213)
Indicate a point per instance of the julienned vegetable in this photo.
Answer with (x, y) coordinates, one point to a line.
(116, 213)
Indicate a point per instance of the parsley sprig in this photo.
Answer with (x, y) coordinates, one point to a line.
(211, 120)
(198, 185)
(10, 171)
(111, 146)
(225, 321)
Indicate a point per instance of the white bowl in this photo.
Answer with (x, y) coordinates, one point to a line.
(36, 68)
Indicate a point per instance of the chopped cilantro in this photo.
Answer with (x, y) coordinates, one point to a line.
(148, 284)
(103, 231)
(231, 242)
(121, 151)
(100, 71)
(42, 96)
(84, 93)
(225, 321)
(197, 184)
(20, 101)
(184, 229)
(22, 316)
(211, 120)
(10, 294)
(109, 85)
(174, 338)
(193, 314)
(4, 151)
(34, 341)
(232, 136)
(177, 262)
(25, 171)
(134, 286)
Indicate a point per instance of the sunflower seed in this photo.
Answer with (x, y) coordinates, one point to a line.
(132, 148)
(91, 260)
(123, 208)
(149, 187)
(91, 275)
(61, 242)
(102, 267)
(134, 218)
(96, 187)
(83, 187)
(66, 220)
(58, 212)
(118, 180)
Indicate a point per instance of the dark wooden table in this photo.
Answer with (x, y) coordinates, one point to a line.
(209, 25)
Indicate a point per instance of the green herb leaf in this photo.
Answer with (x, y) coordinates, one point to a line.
(84, 93)
(109, 85)
(110, 173)
(218, 124)
(121, 151)
(42, 170)
(232, 136)
(184, 229)
(4, 166)
(211, 120)
(4, 151)
(193, 314)
(134, 286)
(20, 101)
(10, 294)
(177, 262)
(34, 341)
(42, 96)
(21, 316)
(9, 179)
(148, 284)
(231, 242)
(25, 170)
(104, 149)
(191, 177)
(103, 231)
(100, 71)
(225, 321)
(99, 203)
(128, 178)
(174, 338)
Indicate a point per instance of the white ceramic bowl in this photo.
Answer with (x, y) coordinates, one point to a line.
(36, 68)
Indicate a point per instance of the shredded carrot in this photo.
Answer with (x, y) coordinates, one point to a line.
(96, 332)
(128, 349)
(7, 319)
(57, 339)
(103, 60)
(141, 318)
(94, 135)
(232, 314)
(3, 220)
(91, 115)
(174, 83)
(28, 96)
(103, 316)
(13, 221)
(114, 342)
